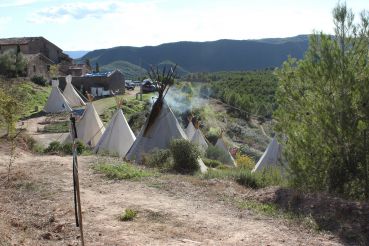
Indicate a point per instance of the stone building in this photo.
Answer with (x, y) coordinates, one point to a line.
(41, 54)
(98, 84)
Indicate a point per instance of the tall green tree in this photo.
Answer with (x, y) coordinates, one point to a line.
(323, 109)
(13, 63)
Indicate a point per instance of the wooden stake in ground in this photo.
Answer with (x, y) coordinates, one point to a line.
(77, 197)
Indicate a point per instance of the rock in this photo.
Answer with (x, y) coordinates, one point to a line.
(47, 236)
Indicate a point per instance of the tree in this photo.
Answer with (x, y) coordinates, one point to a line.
(323, 109)
(12, 63)
(54, 71)
(97, 68)
(12, 105)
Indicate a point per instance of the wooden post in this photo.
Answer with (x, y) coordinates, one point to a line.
(77, 196)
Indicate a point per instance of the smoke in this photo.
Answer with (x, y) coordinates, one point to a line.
(185, 100)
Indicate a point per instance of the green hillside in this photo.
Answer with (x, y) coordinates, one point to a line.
(221, 55)
(130, 71)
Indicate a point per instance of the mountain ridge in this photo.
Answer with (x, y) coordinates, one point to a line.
(208, 56)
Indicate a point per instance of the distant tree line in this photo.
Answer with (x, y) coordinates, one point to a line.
(251, 91)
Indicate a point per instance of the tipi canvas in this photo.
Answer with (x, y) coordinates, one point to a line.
(270, 157)
(221, 144)
(158, 134)
(90, 127)
(199, 139)
(71, 94)
(56, 103)
(190, 129)
(118, 136)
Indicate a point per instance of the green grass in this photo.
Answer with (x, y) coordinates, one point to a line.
(272, 210)
(122, 171)
(57, 127)
(128, 215)
(244, 177)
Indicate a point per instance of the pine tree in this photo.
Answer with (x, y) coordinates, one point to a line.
(324, 109)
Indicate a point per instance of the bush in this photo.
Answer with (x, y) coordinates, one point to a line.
(160, 158)
(211, 163)
(185, 156)
(128, 215)
(56, 147)
(216, 153)
(39, 80)
(243, 161)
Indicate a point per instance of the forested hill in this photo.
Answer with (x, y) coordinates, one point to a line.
(221, 55)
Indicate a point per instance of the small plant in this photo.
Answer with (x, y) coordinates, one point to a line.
(185, 156)
(128, 215)
(39, 80)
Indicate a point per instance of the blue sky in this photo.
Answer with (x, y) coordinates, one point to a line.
(95, 24)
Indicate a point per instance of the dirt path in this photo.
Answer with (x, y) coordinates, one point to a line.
(172, 209)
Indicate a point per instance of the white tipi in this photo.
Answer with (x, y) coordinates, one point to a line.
(221, 144)
(56, 102)
(90, 127)
(118, 136)
(158, 134)
(199, 139)
(190, 129)
(71, 94)
(270, 157)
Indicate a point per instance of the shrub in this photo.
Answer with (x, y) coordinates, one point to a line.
(159, 158)
(216, 153)
(212, 163)
(185, 156)
(39, 80)
(249, 180)
(56, 147)
(243, 161)
(128, 215)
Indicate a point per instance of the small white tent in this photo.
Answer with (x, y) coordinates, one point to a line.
(221, 144)
(199, 139)
(158, 134)
(270, 157)
(190, 129)
(118, 136)
(71, 94)
(90, 127)
(56, 103)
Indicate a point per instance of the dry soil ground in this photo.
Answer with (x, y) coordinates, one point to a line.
(36, 208)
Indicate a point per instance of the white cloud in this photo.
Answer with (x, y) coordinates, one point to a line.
(15, 3)
(76, 10)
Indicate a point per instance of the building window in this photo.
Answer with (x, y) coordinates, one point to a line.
(34, 68)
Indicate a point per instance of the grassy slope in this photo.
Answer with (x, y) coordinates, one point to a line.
(38, 96)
